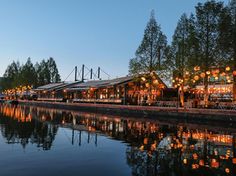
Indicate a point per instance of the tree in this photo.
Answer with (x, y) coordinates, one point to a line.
(207, 27)
(28, 75)
(43, 73)
(151, 53)
(10, 76)
(181, 52)
(47, 72)
(232, 8)
(54, 75)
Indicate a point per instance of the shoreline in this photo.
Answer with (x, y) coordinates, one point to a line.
(151, 112)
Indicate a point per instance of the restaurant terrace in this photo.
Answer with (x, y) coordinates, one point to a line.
(145, 88)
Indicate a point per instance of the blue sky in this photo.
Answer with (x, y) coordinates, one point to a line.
(102, 33)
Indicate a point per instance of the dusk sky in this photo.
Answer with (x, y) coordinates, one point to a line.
(103, 33)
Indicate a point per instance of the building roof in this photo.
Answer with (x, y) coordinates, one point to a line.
(56, 86)
(90, 84)
(49, 86)
(101, 83)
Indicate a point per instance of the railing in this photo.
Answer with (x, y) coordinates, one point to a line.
(166, 103)
(50, 99)
(114, 101)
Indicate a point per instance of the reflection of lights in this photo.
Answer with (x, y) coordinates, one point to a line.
(227, 170)
(145, 141)
(195, 157)
(201, 162)
(234, 73)
(141, 147)
(214, 163)
(195, 166)
(234, 160)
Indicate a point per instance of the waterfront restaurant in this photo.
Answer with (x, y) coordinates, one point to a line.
(142, 89)
(52, 91)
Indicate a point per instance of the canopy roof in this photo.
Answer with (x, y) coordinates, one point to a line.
(79, 85)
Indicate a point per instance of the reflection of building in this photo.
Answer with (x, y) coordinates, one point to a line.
(18, 126)
(152, 147)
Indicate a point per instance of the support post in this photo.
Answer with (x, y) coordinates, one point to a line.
(99, 72)
(83, 73)
(76, 73)
(91, 73)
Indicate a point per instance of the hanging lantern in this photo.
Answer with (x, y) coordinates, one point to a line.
(208, 72)
(196, 68)
(227, 68)
(229, 81)
(222, 74)
(143, 79)
(227, 170)
(147, 84)
(216, 77)
(217, 71)
(203, 75)
(155, 81)
(196, 77)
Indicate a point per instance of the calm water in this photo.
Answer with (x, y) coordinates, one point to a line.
(37, 141)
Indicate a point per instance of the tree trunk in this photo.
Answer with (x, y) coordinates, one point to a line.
(181, 95)
(234, 87)
(206, 93)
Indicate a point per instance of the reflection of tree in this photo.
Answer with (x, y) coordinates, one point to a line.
(14, 130)
(152, 148)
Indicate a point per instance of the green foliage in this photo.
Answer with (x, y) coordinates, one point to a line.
(208, 16)
(29, 74)
(151, 54)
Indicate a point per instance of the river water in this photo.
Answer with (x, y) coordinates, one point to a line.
(37, 141)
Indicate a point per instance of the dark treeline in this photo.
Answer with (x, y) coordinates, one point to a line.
(29, 74)
(204, 38)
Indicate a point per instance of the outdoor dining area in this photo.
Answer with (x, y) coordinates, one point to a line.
(143, 89)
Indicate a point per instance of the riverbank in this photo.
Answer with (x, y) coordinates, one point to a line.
(143, 111)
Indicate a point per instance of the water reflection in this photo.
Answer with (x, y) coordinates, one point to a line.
(152, 148)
